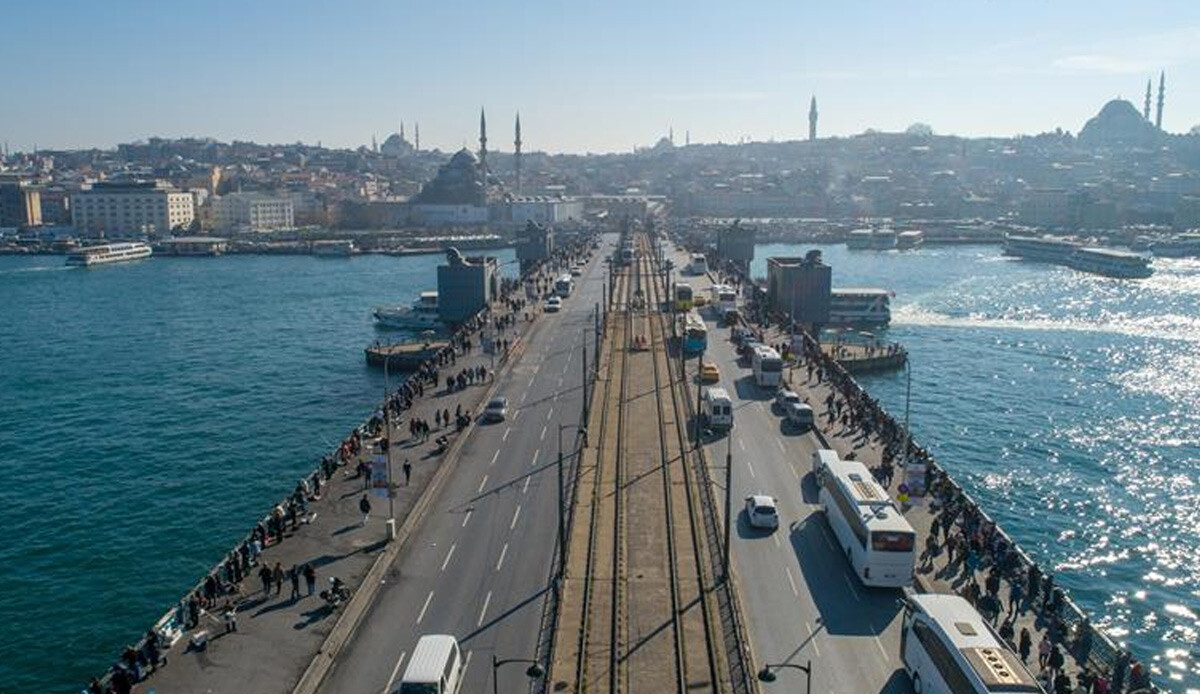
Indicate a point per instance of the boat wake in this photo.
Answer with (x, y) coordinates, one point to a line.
(1160, 327)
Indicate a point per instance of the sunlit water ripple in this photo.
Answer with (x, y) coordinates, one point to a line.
(1069, 406)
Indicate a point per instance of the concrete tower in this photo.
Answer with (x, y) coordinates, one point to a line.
(517, 152)
(812, 119)
(1146, 108)
(1162, 89)
(482, 140)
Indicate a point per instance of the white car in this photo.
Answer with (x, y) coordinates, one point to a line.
(553, 304)
(496, 410)
(785, 397)
(761, 512)
(576, 271)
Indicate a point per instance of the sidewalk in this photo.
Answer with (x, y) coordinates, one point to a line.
(278, 635)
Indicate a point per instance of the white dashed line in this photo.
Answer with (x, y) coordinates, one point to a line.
(560, 382)
(816, 650)
(792, 581)
(425, 607)
(503, 551)
(467, 518)
(775, 537)
(482, 482)
(525, 487)
(543, 433)
(879, 644)
(506, 431)
(516, 515)
(850, 583)
(750, 468)
(535, 457)
(448, 555)
(483, 613)
(741, 444)
(780, 444)
(549, 414)
(395, 671)
(462, 674)
(494, 456)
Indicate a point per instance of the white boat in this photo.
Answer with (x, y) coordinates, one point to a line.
(860, 306)
(108, 253)
(1049, 249)
(883, 239)
(1181, 246)
(910, 239)
(334, 249)
(421, 315)
(877, 239)
(1111, 263)
(859, 239)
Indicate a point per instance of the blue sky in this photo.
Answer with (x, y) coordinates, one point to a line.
(601, 76)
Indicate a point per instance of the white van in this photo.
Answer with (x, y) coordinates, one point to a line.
(717, 408)
(800, 416)
(435, 667)
(821, 458)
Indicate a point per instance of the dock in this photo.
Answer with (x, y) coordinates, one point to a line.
(404, 356)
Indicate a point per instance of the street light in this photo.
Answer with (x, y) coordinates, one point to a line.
(534, 671)
(387, 453)
(765, 674)
(562, 523)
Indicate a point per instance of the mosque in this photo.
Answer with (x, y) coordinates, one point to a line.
(1120, 125)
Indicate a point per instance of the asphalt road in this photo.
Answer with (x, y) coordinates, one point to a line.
(801, 599)
(479, 567)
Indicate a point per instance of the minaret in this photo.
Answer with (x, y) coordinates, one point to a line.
(417, 137)
(812, 119)
(374, 144)
(1146, 109)
(687, 138)
(1162, 89)
(482, 140)
(402, 131)
(517, 152)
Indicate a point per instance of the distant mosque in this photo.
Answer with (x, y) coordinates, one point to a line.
(1119, 124)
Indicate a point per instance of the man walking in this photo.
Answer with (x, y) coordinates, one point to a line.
(310, 577)
(277, 574)
(294, 575)
(407, 472)
(364, 505)
(264, 574)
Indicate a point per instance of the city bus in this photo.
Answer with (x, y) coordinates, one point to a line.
(626, 255)
(878, 541)
(948, 648)
(683, 297)
(563, 285)
(768, 367)
(695, 333)
(698, 264)
(724, 298)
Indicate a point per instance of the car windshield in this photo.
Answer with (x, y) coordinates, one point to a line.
(765, 510)
(498, 403)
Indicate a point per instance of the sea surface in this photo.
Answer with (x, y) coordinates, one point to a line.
(150, 413)
(1068, 405)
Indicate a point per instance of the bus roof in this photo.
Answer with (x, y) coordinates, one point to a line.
(997, 666)
(765, 352)
(879, 512)
(429, 658)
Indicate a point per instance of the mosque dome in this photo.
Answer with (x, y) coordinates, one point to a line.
(1119, 124)
(395, 145)
(459, 181)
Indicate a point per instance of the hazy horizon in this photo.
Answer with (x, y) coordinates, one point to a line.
(584, 79)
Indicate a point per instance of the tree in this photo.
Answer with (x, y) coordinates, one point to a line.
(919, 130)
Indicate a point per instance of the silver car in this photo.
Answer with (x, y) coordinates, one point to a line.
(496, 410)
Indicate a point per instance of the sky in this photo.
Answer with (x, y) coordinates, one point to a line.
(585, 76)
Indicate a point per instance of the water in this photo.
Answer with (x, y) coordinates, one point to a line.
(149, 414)
(1069, 406)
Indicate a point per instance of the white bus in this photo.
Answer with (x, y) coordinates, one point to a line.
(563, 285)
(878, 541)
(698, 264)
(724, 298)
(947, 648)
(768, 367)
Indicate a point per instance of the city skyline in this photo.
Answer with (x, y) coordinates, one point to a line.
(122, 72)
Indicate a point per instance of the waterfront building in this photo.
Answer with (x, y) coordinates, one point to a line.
(20, 203)
(253, 212)
(535, 244)
(800, 287)
(193, 246)
(736, 243)
(131, 208)
(466, 285)
(545, 209)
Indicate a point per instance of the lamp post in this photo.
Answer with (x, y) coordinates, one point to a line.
(562, 522)
(387, 452)
(728, 505)
(766, 674)
(534, 671)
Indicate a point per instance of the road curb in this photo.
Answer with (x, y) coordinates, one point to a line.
(364, 597)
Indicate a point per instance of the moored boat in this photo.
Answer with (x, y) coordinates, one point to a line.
(422, 314)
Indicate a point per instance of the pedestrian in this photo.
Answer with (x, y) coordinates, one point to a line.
(1025, 645)
(310, 577)
(1056, 659)
(1016, 593)
(264, 575)
(277, 575)
(294, 575)
(407, 472)
(364, 505)
(230, 615)
(1044, 647)
(153, 654)
(193, 611)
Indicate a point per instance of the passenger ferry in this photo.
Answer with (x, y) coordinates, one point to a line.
(1049, 249)
(859, 239)
(1111, 263)
(108, 253)
(421, 315)
(860, 306)
(910, 239)
(867, 239)
(1182, 246)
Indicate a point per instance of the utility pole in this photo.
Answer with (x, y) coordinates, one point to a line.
(699, 397)
(728, 504)
(387, 453)
(584, 369)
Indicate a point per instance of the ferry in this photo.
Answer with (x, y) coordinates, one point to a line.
(108, 253)
(1181, 246)
(1111, 263)
(1049, 249)
(859, 239)
(910, 239)
(860, 306)
(421, 315)
(867, 239)
(334, 249)
(883, 240)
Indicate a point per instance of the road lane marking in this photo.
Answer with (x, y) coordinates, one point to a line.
(494, 456)
(543, 433)
(742, 445)
(425, 607)
(852, 588)
(550, 414)
(566, 366)
(448, 555)
(503, 551)
(780, 444)
(792, 581)
(535, 457)
(467, 517)
(482, 482)
(775, 537)
(879, 644)
(505, 437)
(525, 488)
(517, 414)
(524, 396)
(395, 671)
(530, 383)
(560, 382)
(462, 674)
(750, 468)
(483, 613)
(795, 471)
(813, 641)
(516, 515)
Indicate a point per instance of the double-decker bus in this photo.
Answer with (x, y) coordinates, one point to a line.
(683, 297)
(768, 367)
(563, 285)
(878, 541)
(948, 648)
(695, 333)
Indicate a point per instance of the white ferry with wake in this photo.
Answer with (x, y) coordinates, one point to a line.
(108, 253)
(1111, 263)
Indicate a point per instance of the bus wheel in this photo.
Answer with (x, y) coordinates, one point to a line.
(916, 683)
